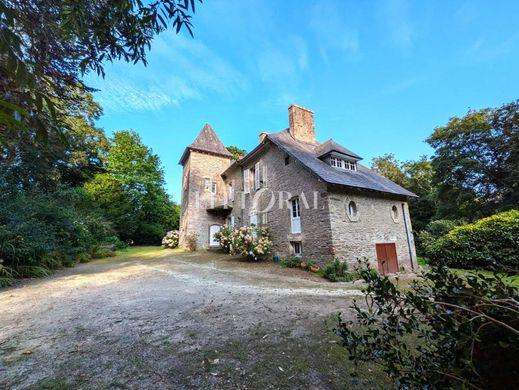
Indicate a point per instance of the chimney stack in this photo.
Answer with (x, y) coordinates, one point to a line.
(301, 123)
(262, 136)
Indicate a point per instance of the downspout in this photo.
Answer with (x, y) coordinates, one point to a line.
(407, 236)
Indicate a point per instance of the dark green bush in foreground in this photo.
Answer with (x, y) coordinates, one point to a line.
(491, 243)
(444, 332)
(337, 271)
(44, 231)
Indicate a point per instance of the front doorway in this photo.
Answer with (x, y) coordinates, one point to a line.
(212, 230)
(386, 257)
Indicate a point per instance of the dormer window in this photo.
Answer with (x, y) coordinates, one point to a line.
(343, 164)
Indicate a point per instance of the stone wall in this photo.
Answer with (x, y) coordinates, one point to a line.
(293, 178)
(355, 237)
(195, 219)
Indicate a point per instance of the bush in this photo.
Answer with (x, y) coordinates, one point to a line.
(337, 271)
(490, 243)
(444, 332)
(433, 231)
(291, 262)
(170, 240)
(250, 241)
(44, 231)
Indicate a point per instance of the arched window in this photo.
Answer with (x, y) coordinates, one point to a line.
(394, 213)
(352, 211)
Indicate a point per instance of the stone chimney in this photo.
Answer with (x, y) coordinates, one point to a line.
(262, 136)
(301, 123)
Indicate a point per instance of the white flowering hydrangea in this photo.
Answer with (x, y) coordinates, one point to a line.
(170, 240)
(250, 241)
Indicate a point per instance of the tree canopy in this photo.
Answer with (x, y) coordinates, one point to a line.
(46, 46)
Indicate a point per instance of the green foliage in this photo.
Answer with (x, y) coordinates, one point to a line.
(103, 251)
(475, 163)
(337, 271)
(236, 152)
(433, 231)
(46, 47)
(490, 243)
(131, 191)
(44, 231)
(291, 262)
(444, 332)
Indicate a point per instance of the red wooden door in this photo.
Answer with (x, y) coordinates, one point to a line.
(387, 260)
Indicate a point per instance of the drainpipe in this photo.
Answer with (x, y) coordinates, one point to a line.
(408, 239)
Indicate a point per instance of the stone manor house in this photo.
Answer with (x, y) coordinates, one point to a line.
(317, 200)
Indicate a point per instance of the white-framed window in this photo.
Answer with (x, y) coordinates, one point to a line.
(264, 218)
(264, 177)
(253, 216)
(257, 178)
(246, 182)
(231, 191)
(230, 220)
(297, 248)
(295, 214)
(213, 187)
(207, 184)
(343, 164)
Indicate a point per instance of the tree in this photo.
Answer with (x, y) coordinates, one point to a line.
(46, 46)
(131, 191)
(71, 156)
(388, 166)
(475, 163)
(236, 152)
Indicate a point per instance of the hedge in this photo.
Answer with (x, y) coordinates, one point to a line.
(490, 243)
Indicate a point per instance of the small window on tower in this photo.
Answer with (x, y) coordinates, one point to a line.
(213, 187)
(287, 159)
(207, 184)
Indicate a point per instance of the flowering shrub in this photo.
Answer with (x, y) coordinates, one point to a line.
(250, 241)
(170, 240)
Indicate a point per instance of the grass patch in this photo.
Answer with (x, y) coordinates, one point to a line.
(140, 252)
(421, 260)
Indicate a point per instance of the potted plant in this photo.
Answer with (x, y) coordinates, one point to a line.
(303, 265)
(314, 268)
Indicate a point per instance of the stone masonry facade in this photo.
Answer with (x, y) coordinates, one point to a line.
(336, 220)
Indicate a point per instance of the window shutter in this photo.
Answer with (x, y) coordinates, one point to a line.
(231, 195)
(246, 183)
(264, 178)
(257, 178)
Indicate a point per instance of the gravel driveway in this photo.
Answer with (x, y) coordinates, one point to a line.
(160, 319)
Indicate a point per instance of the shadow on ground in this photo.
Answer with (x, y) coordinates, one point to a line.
(161, 319)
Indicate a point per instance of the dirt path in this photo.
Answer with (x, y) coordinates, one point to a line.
(156, 319)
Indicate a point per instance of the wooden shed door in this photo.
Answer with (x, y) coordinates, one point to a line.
(387, 261)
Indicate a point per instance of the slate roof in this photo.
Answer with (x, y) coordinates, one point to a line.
(332, 146)
(208, 142)
(308, 155)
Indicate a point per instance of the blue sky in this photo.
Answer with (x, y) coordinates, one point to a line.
(379, 75)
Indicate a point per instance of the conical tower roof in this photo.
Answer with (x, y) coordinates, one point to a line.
(208, 142)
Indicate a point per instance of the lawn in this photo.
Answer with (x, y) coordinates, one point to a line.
(512, 280)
